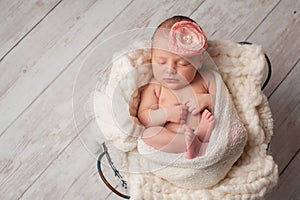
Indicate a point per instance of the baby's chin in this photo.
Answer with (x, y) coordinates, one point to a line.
(175, 86)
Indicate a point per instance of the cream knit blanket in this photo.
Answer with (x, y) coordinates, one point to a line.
(255, 172)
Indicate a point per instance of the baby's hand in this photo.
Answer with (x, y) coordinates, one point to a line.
(177, 113)
(198, 104)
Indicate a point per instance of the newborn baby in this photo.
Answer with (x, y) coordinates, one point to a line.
(176, 106)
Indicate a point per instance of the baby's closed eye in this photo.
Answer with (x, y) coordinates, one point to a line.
(183, 63)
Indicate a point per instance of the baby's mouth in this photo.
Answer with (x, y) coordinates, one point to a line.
(170, 80)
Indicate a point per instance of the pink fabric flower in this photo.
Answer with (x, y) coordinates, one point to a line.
(187, 39)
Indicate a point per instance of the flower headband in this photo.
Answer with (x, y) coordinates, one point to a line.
(186, 38)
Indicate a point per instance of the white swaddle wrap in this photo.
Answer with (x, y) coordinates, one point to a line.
(226, 144)
(115, 107)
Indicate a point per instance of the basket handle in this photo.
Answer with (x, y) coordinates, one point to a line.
(124, 184)
(269, 66)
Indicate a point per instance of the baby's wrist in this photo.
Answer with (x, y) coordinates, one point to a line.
(167, 114)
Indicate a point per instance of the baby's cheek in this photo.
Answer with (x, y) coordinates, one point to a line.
(188, 76)
(158, 73)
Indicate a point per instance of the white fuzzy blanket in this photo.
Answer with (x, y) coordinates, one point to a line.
(255, 172)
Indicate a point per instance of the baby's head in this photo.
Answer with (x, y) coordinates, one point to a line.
(177, 47)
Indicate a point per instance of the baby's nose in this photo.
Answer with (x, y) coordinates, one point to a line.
(171, 69)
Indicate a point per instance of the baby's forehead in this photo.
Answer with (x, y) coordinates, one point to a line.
(160, 45)
(164, 53)
(160, 42)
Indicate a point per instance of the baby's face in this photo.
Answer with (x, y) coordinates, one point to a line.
(171, 70)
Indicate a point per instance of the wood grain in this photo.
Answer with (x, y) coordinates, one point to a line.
(43, 131)
(16, 25)
(227, 20)
(286, 108)
(74, 162)
(278, 34)
(288, 187)
(47, 50)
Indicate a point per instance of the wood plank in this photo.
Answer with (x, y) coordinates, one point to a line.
(35, 140)
(56, 183)
(285, 104)
(46, 51)
(278, 34)
(241, 18)
(229, 20)
(18, 17)
(42, 132)
(288, 187)
(145, 14)
(113, 196)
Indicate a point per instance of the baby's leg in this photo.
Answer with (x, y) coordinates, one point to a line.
(205, 126)
(193, 144)
(165, 140)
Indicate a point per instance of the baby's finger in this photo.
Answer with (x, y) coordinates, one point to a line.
(185, 102)
(189, 104)
(185, 110)
(183, 116)
(191, 109)
(184, 107)
(182, 121)
(195, 111)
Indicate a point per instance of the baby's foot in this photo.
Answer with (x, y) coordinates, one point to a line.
(192, 143)
(205, 126)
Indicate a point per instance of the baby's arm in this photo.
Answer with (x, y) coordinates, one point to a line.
(151, 114)
(203, 100)
(210, 80)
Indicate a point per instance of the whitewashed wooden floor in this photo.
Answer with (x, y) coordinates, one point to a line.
(42, 43)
